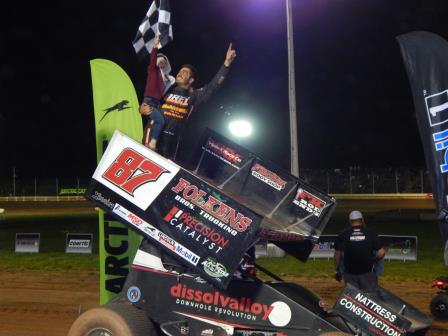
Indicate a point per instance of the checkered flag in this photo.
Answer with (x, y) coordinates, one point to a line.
(156, 21)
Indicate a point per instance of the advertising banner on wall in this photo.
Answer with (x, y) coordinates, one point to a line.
(78, 243)
(400, 247)
(27, 242)
(397, 247)
(324, 248)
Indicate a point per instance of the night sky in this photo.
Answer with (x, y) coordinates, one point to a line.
(354, 102)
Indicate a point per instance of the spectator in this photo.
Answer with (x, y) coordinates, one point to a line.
(358, 245)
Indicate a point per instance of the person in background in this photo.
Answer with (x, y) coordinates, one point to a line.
(361, 249)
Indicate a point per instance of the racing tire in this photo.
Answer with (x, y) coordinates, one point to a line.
(439, 306)
(115, 319)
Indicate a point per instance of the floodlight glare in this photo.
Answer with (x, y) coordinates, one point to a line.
(240, 128)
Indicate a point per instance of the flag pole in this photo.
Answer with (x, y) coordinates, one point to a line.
(292, 92)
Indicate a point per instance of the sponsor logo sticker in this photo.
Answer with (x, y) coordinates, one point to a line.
(241, 307)
(196, 230)
(133, 171)
(268, 177)
(373, 317)
(97, 196)
(156, 234)
(280, 315)
(134, 294)
(214, 268)
(167, 241)
(309, 202)
(212, 208)
(224, 153)
(437, 108)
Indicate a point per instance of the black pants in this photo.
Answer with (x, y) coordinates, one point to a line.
(167, 145)
(367, 282)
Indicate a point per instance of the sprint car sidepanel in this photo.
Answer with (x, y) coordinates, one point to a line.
(244, 305)
(380, 313)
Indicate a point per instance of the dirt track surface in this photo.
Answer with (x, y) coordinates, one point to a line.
(38, 303)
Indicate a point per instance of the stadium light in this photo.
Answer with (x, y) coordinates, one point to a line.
(240, 128)
(2, 211)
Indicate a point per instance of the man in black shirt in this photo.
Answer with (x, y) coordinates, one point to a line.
(181, 99)
(362, 249)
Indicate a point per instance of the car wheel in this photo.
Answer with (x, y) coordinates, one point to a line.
(439, 306)
(115, 319)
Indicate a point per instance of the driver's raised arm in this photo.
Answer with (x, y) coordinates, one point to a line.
(207, 90)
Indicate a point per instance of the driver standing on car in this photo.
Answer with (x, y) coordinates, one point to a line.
(358, 243)
(177, 104)
(180, 101)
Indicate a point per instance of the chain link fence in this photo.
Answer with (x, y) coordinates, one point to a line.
(332, 181)
(368, 181)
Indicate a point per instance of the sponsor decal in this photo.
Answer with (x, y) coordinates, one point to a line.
(214, 268)
(157, 235)
(280, 235)
(441, 142)
(224, 153)
(268, 177)
(79, 243)
(136, 221)
(437, 108)
(134, 294)
(309, 202)
(166, 240)
(196, 230)
(116, 263)
(370, 315)
(131, 170)
(120, 106)
(280, 315)
(241, 307)
(213, 209)
(187, 254)
(97, 196)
